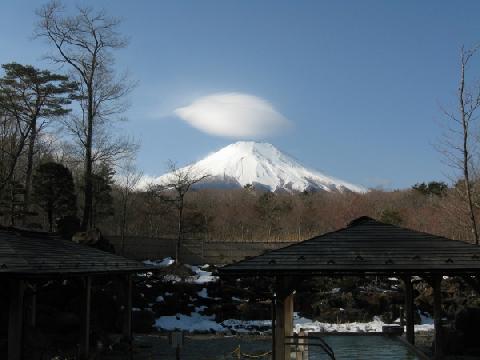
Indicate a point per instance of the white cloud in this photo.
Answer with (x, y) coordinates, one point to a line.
(233, 115)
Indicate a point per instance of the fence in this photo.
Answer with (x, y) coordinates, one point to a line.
(192, 251)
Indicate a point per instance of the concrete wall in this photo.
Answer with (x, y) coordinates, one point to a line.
(193, 251)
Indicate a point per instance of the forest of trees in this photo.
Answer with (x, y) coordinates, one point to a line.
(63, 163)
(249, 215)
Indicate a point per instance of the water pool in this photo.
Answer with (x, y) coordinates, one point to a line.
(364, 347)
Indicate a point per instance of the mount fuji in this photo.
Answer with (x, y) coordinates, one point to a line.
(263, 166)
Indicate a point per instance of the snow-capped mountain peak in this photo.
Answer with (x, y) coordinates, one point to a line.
(264, 166)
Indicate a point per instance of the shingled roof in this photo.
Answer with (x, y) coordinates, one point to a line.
(366, 246)
(37, 253)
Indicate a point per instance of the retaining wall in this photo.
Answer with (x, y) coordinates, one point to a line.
(193, 251)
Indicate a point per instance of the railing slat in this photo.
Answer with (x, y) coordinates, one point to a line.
(310, 341)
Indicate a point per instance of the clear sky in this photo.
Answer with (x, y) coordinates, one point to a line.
(361, 82)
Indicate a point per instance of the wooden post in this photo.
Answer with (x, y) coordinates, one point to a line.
(437, 315)
(288, 309)
(283, 319)
(274, 317)
(15, 319)
(127, 314)
(33, 304)
(409, 308)
(85, 318)
(302, 352)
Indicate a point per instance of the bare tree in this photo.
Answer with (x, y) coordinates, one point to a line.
(14, 133)
(128, 180)
(84, 42)
(174, 189)
(458, 144)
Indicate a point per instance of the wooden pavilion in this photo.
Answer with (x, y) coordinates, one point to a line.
(28, 257)
(365, 247)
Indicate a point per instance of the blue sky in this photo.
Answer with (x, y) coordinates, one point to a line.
(361, 81)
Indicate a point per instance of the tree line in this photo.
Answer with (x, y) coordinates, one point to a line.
(253, 215)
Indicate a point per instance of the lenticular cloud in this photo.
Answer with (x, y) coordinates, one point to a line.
(233, 115)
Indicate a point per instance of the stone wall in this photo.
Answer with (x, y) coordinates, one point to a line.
(193, 251)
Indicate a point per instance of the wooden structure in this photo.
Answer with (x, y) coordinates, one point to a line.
(27, 257)
(365, 247)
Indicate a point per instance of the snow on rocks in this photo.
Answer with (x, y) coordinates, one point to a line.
(191, 308)
(248, 326)
(201, 276)
(191, 323)
(307, 325)
(196, 322)
(160, 263)
(203, 294)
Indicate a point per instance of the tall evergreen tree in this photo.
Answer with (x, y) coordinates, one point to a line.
(33, 97)
(54, 191)
(102, 194)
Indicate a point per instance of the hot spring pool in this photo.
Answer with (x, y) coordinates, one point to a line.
(364, 347)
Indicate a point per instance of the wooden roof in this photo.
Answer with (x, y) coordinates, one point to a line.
(366, 246)
(40, 254)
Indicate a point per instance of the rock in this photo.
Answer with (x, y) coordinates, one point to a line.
(466, 321)
(142, 321)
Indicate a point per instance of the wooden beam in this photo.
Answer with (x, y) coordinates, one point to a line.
(279, 348)
(85, 318)
(409, 310)
(288, 310)
(33, 306)
(15, 320)
(437, 316)
(283, 318)
(127, 312)
(274, 317)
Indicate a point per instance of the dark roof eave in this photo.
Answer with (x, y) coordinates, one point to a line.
(72, 273)
(349, 272)
(366, 246)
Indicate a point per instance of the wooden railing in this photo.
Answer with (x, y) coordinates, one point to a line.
(301, 343)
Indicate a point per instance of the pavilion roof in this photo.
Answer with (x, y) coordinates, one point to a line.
(38, 254)
(366, 246)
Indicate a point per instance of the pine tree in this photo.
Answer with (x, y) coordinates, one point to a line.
(33, 97)
(54, 191)
(102, 194)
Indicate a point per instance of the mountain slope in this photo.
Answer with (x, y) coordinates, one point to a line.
(264, 166)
